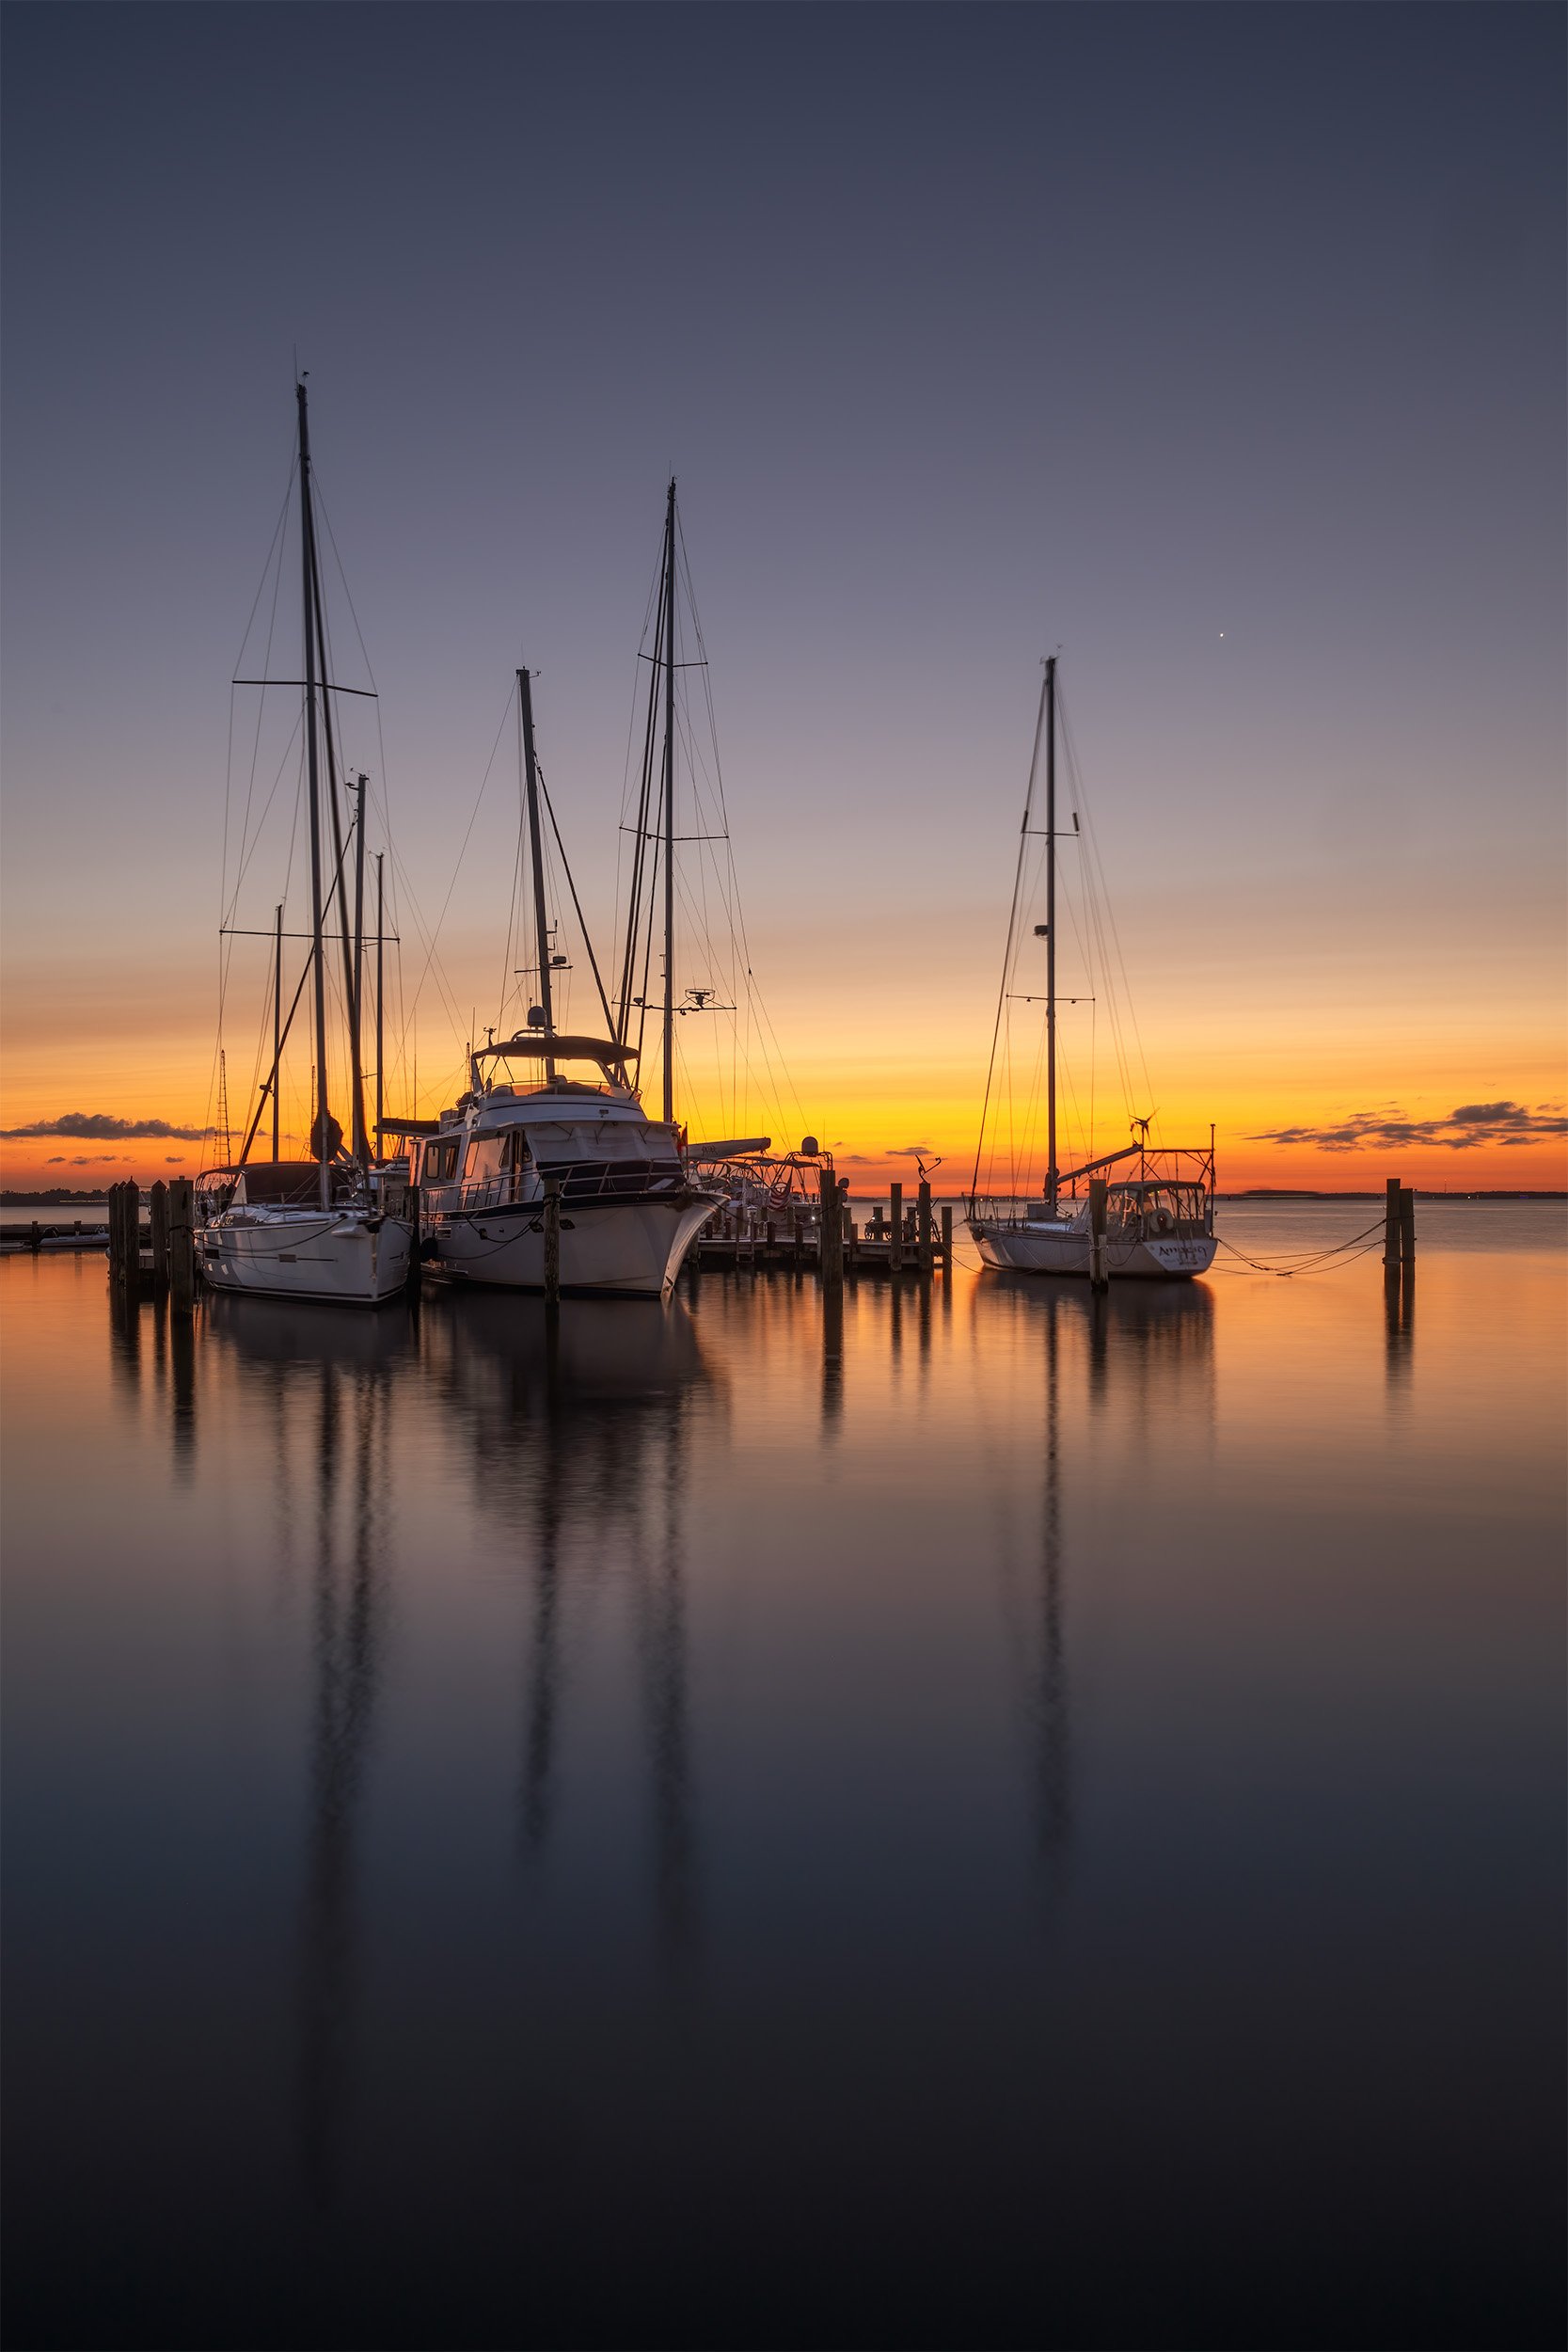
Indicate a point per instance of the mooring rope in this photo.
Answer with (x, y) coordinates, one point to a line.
(1310, 1261)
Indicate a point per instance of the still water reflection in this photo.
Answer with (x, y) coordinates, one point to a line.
(986, 1815)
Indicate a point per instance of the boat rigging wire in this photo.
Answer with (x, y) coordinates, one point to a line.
(1012, 930)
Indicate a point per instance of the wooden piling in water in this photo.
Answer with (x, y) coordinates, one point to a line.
(552, 1241)
(923, 1225)
(896, 1230)
(1407, 1227)
(182, 1245)
(416, 1261)
(1098, 1275)
(130, 1211)
(832, 1222)
(1391, 1223)
(947, 1237)
(157, 1211)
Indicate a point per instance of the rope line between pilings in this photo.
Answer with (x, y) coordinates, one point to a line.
(1313, 1261)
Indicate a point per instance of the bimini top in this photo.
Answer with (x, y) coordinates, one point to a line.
(544, 1045)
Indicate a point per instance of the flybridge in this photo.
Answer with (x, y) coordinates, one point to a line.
(742, 1148)
(544, 1044)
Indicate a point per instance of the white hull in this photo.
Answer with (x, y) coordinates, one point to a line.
(628, 1249)
(1060, 1249)
(339, 1255)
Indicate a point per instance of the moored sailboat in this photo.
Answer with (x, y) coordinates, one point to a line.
(1155, 1224)
(318, 1228)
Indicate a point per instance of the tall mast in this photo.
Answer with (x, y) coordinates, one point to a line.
(380, 1001)
(541, 925)
(356, 1005)
(277, 1023)
(1051, 1180)
(313, 775)
(340, 884)
(670, 805)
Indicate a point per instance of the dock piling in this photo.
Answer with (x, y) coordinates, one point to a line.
(896, 1230)
(831, 1221)
(157, 1211)
(1098, 1278)
(947, 1237)
(923, 1225)
(181, 1244)
(130, 1230)
(416, 1240)
(552, 1241)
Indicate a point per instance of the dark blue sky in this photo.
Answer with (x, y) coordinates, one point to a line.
(969, 331)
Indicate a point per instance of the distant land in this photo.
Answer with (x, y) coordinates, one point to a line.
(1422, 1192)
(61, 1196)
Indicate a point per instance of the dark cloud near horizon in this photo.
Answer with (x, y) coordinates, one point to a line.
(1466, 1127)
(84, 1159)
(101, 1127)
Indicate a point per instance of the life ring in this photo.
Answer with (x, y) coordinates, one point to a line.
(1164, 1222)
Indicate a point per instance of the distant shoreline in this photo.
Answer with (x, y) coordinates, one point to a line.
(60, 1198)
(1422, 1192)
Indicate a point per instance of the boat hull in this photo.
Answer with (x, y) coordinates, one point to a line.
(623, 1250)
(1061, 1250)
(338, 1257)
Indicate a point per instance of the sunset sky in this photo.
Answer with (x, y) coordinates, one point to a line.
(1220, 350)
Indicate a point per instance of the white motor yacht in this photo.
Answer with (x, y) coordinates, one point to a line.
(628, 1212)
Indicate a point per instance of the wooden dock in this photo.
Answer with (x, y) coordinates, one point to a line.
(19, 1241)
(917, 1241)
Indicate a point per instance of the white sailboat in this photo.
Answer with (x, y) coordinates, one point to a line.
(318, 1228)
(1154, 1223)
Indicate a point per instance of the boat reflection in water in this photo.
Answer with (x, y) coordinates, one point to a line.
(579, 1427)
(1145, 1354)
(1153, 1343)
(328, 1382)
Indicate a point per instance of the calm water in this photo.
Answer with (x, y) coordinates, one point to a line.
(1011, 1821)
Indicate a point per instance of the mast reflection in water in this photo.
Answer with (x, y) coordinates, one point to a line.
(330, 1375)
(576, 1427)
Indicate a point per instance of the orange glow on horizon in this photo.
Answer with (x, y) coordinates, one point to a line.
(883, 1063)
